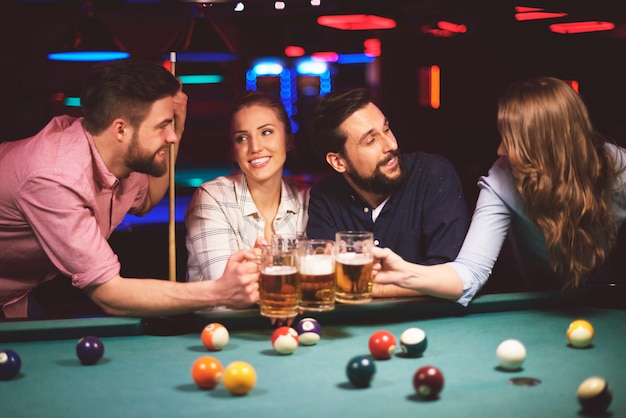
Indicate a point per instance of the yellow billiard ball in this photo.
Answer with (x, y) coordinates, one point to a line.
(239, 378)
(580, 333)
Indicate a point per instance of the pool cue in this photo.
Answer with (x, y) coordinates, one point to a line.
(172, 206)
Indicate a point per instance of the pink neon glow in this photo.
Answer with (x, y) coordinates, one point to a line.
(581, 27)
(356, 22)
(294, 51)
(452, 27)
(325, 56)
(520, 17)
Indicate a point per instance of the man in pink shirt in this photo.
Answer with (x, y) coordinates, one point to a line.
(64, 190)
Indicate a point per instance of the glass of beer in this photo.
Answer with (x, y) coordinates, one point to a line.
(278, 282)
(316, 268)
(354, 266)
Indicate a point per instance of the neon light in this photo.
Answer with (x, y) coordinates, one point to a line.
(91, 56)
(452, 27)
(520, 17)
(354, 59)
(308, 67)
(356, 22)
(581, 27)
(267, 68)
(524, 9)
(72, 101)
(325, 56)
(430, 86)
(573, 84)
(372, 47)
(294, 51)
(201, 79)
(435, 87)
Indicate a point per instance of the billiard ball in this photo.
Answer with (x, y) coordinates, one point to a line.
(10, 364)
(89, 350)
(511, 354)
(594, 395)
(214, 336)
(309, 331)
(382, 344)
(361, 371)
(239, 378)
(580, 333)
(285, 340)
(207, 372)
(413, 342)
(428, 382)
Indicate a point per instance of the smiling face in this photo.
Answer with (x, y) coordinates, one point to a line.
(148, 148)
(370, 156)
(259, 143)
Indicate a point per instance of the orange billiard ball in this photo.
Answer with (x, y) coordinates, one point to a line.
(580, 333)
(214, 336)
(207, 372)
(239, 378)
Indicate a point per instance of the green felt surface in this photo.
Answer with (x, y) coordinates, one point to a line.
(149, 376)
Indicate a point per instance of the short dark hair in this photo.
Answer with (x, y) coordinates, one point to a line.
(328, 113)
(123, 88)
(256, 98)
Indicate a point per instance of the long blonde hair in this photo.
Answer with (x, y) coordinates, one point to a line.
(563, 172)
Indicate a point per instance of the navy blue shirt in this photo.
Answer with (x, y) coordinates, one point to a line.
(424, 222)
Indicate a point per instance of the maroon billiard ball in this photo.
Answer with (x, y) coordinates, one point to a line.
(428, 382)
(382, 344)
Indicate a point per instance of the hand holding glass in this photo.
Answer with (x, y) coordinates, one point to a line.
(354, 266)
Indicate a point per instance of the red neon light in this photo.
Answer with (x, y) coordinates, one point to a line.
(452, 27)
(294, 51)
(524, 9)
(372, 47)
(581, 27)
(573, 84)
(356, 22)
(520, 17)
(325, 56)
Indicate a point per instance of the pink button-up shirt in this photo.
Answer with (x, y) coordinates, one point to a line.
(58, 205)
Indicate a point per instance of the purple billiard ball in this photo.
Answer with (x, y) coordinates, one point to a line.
(10, 364)
(89, 350)
(309, 331)
(428, 382)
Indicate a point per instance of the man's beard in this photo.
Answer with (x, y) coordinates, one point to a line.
(378, 182)
(144, 163)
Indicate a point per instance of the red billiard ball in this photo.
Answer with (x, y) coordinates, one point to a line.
(214, 336)
(428, 382)
(10, 364)
(285, 340)
(382, 344)
(207, 372)
(89, 350)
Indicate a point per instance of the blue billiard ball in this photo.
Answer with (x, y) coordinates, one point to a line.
(413, 342)
(10, 364)
(361, 370)
(89, 350)
(309, 331)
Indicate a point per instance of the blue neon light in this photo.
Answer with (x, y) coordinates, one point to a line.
(354, 59)
(201, 79)
(92, 56)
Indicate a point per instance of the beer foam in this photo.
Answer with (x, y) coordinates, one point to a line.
(278, 270)
(353, 259)
(316, 265)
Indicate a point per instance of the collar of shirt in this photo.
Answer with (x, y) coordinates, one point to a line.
(102, 176)
(288, 202)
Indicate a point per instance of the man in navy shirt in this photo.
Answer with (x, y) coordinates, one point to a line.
(413, 203)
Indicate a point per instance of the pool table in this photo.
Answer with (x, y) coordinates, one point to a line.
(145, 371)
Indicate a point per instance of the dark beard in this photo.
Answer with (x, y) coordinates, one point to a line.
(377, 183)
(144, 163)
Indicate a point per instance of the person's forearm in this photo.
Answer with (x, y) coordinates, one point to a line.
(152, 297)
(393, 291)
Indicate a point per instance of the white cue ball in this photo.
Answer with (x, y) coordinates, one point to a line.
(511, 354)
